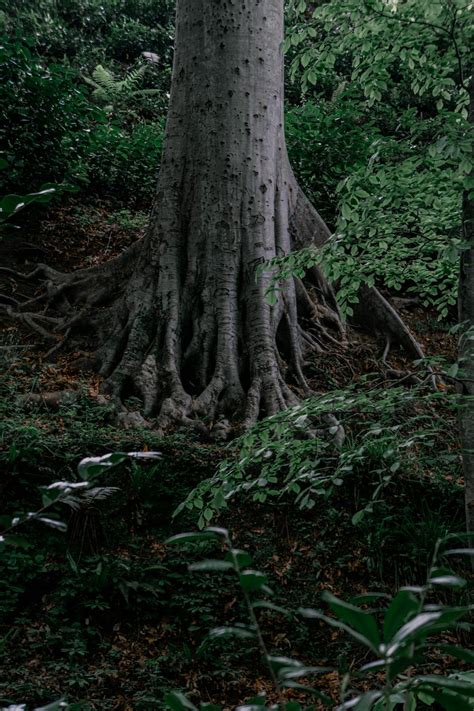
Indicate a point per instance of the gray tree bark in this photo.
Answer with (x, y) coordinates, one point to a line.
(197, 313)
(182, 318)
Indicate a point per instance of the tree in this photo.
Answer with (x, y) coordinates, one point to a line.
(183, 318)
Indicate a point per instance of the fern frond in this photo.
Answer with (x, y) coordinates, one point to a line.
(131, 80)
(86, 498)
(104, 78)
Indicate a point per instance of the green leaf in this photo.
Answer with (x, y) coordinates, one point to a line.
(464, 688)
(457, 652)
(53, 523)
(239, 632)
(362, 621)
(177, 701)
(243, 558)
(365, 702)
(90, 466)
(11, 204)
(418, 626)
(265, 604)
(403, 606)
(449, 701)
(358, 516)
(278, 663)
(451, 581)
(193, 537)
(252, 580)
(459, 551)
(210, 566)
(311, 614)
(290, 673)
(292, 706)
(218, 531)
(346, 211)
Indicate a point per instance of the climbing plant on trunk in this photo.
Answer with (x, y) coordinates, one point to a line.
(183, 319)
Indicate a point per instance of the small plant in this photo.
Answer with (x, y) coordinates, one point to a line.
(73, 494)
(401, 637)
(128, 220)
(113, 93)
(369, 434)
(11, 205)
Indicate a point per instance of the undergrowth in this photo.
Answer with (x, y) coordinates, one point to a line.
(108, 611)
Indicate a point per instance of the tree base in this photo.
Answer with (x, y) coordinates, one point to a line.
(106, 308)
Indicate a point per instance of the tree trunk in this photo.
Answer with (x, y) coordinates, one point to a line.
(197, 313)
(182, 318)
(466, 345)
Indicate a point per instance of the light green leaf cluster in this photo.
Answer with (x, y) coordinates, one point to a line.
(292, 455)
(399, 220)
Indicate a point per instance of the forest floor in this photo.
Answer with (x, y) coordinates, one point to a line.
(109, 616)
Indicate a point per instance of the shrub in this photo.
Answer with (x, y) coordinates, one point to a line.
(399, 633)
(46, 117)
(326, 140)
(123, 164)
(389, 434)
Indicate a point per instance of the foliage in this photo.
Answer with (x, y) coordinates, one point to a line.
(52, 130)
(45, 117)
(11, 205)
(89, 32)
(401, 641)
(123, 164)
(77, 494)
(378, 139)
(406, 67)
(326, 139)
(389, 435)
(114, 94)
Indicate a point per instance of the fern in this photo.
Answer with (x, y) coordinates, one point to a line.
(110, 91)
(88, 497)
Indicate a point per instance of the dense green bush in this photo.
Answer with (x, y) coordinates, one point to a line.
(87, 32)
(46, 117)
(326, 141)
(123, 165)
(386, 438)
(54, 132)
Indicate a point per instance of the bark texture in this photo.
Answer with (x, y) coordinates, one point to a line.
(183, 319)
(196, 335)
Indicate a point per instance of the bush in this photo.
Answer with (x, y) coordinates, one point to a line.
(124, 164)
(128, 38)
(325, 142)
(46, 117)
(89, 32)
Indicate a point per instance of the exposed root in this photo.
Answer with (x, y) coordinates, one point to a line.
(386, 351)
(184, 325)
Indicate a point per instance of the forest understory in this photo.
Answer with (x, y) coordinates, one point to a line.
(108, 626)
(232, 476)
